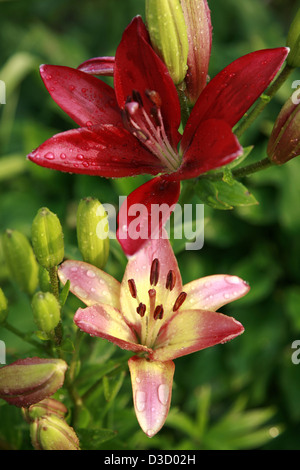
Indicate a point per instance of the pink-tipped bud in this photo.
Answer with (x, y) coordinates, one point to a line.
(31, 380)
(198, 22)
(284, 143)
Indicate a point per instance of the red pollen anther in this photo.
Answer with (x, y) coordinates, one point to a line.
(158, 312)
(132, 288)
(171, 280)
(141, 309)
(154, 272)
(179, 301)
(153, 97)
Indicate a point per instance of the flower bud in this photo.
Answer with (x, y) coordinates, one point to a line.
(293, 42)
(48, 406)
(284, 142)
(46, 311)
(30, 380)
(20, 260)
(199, 31)
(53, 433)
(3, 307)
(47, 238)
(92, 232)
(168, 35)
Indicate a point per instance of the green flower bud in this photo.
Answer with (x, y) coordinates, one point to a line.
(168, 34)
(47, 238)
(92, 232)
(20, 260)
(31, 380)
(49, 406)
(53, 433)
(293, 42)
(3, 307)
(46, 311)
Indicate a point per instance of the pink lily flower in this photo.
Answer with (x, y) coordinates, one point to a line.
(133, 128)
(152, 314)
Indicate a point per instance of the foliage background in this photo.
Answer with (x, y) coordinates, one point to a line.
(240, 395)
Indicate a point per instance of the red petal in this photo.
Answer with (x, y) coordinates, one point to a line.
(139, 219)
(100, 150)
(86, 99)
(213, 146)
(98, 66)
(137, 67)
(233, 91)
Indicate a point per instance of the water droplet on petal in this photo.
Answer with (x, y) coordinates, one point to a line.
(49, 156)
(90, 273)
(140, 400)
(232, 279)
(163, 394)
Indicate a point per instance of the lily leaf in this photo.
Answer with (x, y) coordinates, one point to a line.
(224, 195)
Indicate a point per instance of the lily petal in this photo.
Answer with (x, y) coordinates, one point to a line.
(86, 99)
(90, 284)
(212, 292)
(139, 267)
(108, 323)
(98, 66)
(152, 389)
(102, 150)
(192, 330)
(139, 218)
(214, 145)
(233, 90)
(138, 67)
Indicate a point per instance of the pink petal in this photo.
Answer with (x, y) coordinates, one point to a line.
(99, 150)
(189, 331)
(90, 284)
(108, 323)
(212, 292)
(214, 145)
(233, 91)
(152, 389)
(139, 267)
(139, 220)
(137, 67)
(98, 66)
(86, 99)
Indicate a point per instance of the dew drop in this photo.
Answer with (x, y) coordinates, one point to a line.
(63, 156)
(163, 394)
(140, 400)
(90, 273)
(232, 279)
(89, 124)
(49, 156)
(74, 269)
(80, 157)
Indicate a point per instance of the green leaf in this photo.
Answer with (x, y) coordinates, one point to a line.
(91, 439)
(224, 195)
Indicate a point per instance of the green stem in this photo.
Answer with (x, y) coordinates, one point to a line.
(185, 110)
(241, 172)
(263, 101)
(20, 334)
(54, 281)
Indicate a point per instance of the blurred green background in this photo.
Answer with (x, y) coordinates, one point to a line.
(244, 394)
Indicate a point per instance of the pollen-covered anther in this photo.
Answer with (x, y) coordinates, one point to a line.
(154, 97)
(158, 312)
(132, 288)
(171, 280)
(141, 309)
(154, 272)
(179, 301)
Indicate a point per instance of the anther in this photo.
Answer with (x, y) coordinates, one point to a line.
(158, 312)
(179, 301)
(154, 272)
(141, 309)
(171, 280)
(132, 288)
(154, 97)
(137, 97)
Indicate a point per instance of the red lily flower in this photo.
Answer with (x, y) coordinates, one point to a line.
(133, 128)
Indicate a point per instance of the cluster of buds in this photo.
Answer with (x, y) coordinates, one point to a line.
(48, 427)
(181, 34)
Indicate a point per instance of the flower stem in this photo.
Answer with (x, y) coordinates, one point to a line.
(241, 172)
(264, 99)
(54, 281)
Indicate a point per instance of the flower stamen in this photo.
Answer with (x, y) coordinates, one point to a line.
(171, 280)
(154, 272)
(158, 312)
(179, 301)
(141, 309)
(132, 288)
